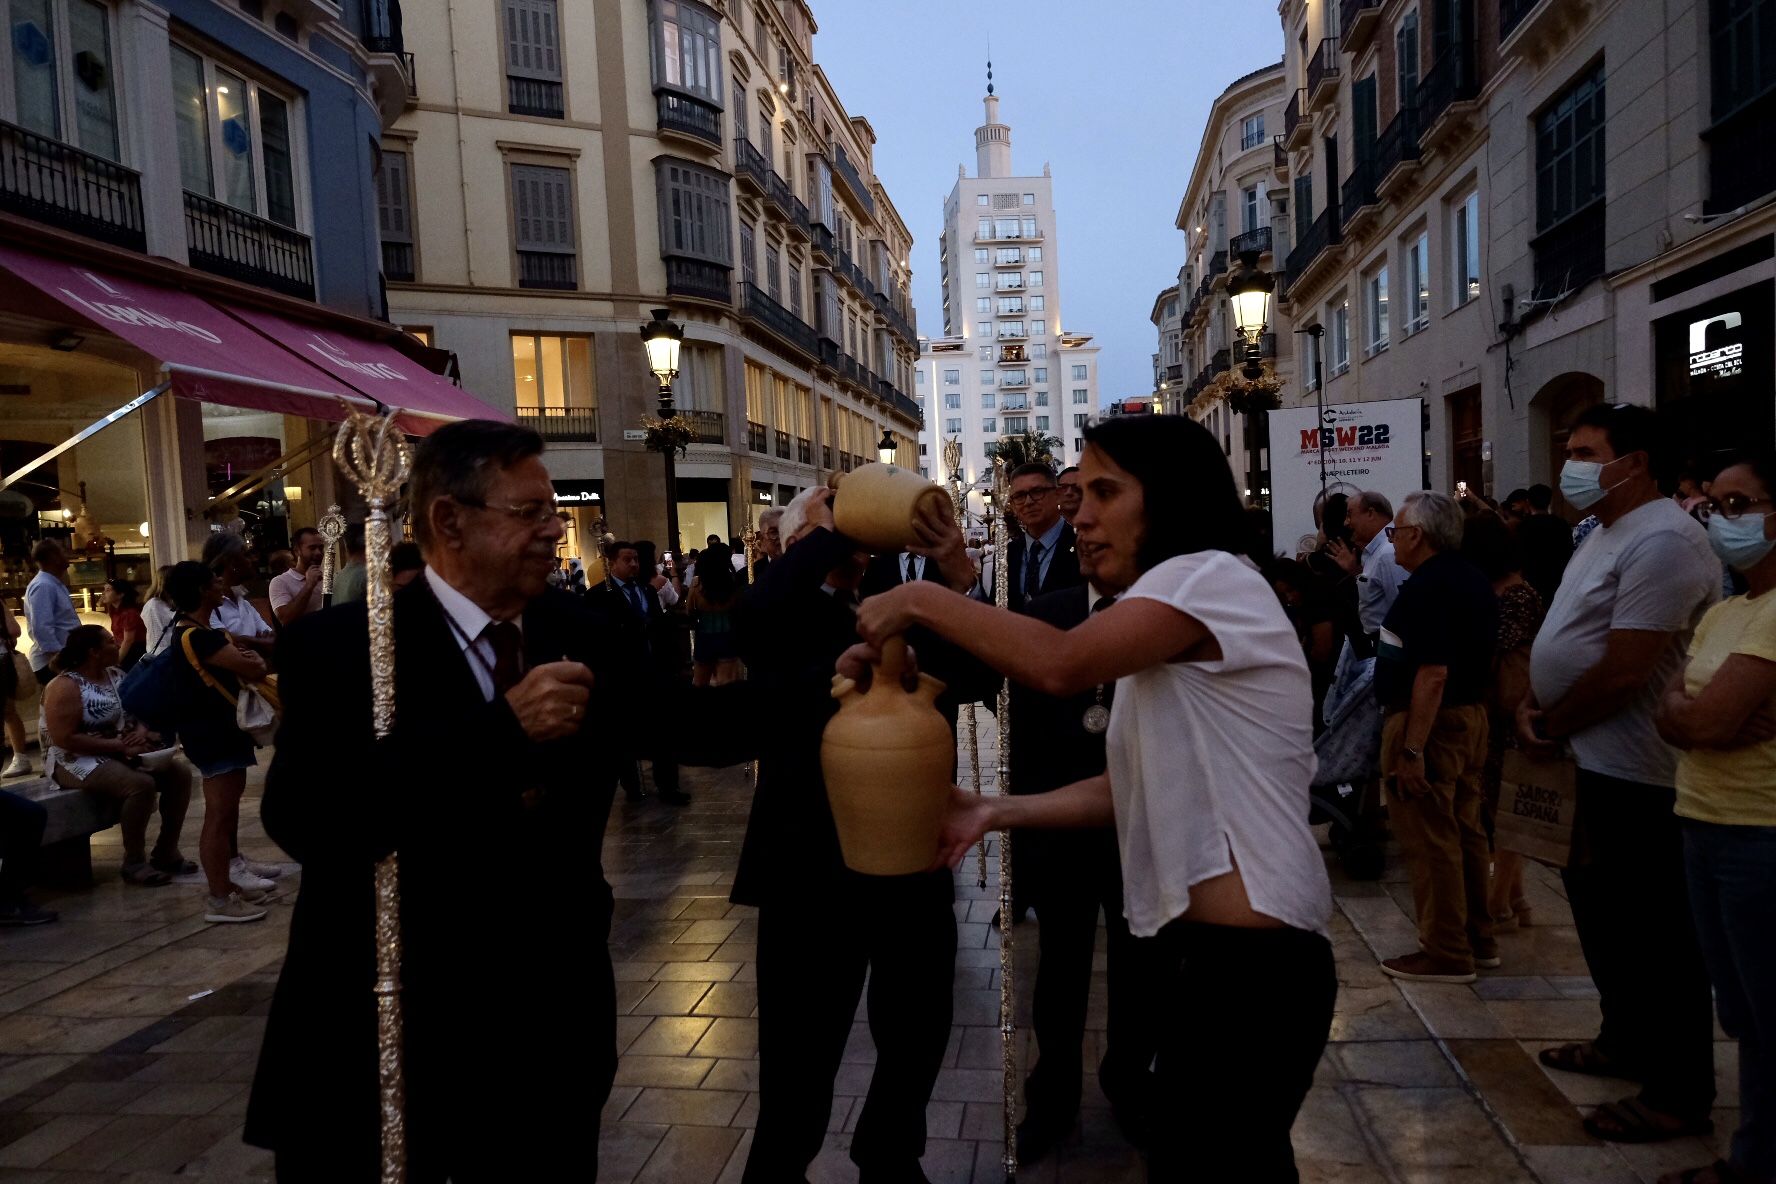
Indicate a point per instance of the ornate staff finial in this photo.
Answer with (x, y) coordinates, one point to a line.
(332, 528)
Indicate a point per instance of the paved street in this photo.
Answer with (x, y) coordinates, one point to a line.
(128, 1034)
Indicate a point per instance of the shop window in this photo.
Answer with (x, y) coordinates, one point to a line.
(62, 78)
(235, 138)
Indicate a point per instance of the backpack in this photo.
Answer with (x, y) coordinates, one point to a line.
(157, 691)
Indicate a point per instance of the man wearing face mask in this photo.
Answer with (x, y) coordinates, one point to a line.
(1614, 635)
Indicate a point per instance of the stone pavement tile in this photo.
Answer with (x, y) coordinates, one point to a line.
(1579, 1165)
(1652, 1160)
(1451, 1011)
(696, 1107)
(981, 1048)
(729, 1038)
(628, 1028)
(1573, 986)
(1374, 1013)
(623, 1147)
(748, 972)
(1429, 1131)
(969, 1085)
(690, 1155)
(176, 1144)
(1543, 949)
(1579, 1089)
(43, 1143)
(106, 1066)
(229, 1159)
(19, 1074)
(1516, 986)
(1328, 1130)
(943, 1120)
(636, 971)
(983, 1121)
(734, 950)
(629, 993)
(111, 1142)
(666, 952)
(737, 1160)
(29, 1034)
(707, 908)
(1519, 1093)
(1726, 1074)
(975, 1008)
(672, 998)
(1393, 1062)
(973, 936)
(853, 1078)
(732, 1000)
(91, 1097)
(703, 972)
(671, 1072)
(747, 1116)
(14, 971)
(733, 1074)
(25, 1176)
(716, 932)
(669, 1036)
(1547, 1019)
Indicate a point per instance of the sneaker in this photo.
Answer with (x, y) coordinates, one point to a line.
(243, 878)
(25, 913)
(1422, 968)
(1489, 960)
(265, 871)
(20, 766)
(234, 910)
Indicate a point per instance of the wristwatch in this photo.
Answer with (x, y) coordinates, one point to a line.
(1416, 754)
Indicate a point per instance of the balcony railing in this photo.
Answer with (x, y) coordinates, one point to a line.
(397, 262)
(823, 239)
(1511, 14)
(547, 270)
(779, 321)
(1356, 23)
(1569, 254)
(1252, 240)
(1359, 187)
(534, 96)
(908, 407)
(782, 445)
(690, 117)
(225, 241)
(1322, 72)
(1221, 361)
(1322, 234)
(751, 167)
(847, 172)
(1292, 121)
(561, 423)
(804, 450)
(1450, 80)
(1398, 143)
(694, 277)
(1217, 267)
(49, 181)
(1175, 372)
(826, 456)
(707, 427)
(755, 437)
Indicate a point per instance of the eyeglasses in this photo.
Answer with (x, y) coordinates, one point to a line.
(1389, 531)
(1730, 506)
(1024, 497)
(533, 514)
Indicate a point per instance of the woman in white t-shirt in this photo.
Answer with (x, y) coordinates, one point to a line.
(1210, 753)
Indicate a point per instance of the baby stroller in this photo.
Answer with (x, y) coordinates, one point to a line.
(1345, 790)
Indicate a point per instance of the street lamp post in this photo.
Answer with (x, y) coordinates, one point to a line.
(1249, 292)
(885, 447)
(662, 340)
(1316, 332)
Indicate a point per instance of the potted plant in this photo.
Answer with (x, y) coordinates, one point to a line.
(1251, 396)
(671, 434)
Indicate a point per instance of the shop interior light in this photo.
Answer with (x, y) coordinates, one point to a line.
(142, 529)
(292, 493)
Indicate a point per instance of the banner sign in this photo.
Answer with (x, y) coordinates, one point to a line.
(1377, 446)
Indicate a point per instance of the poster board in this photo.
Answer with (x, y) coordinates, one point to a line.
(1378, 445)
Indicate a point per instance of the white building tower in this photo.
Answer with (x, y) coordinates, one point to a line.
(1007, 363)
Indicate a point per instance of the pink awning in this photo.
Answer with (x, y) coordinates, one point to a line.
(208, 354)
(380, 371)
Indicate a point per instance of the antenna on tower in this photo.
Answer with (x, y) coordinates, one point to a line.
(989, 63)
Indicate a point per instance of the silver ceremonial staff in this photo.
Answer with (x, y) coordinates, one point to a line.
(952, 455)
(1007, 986)
(373, 454)
(332, 528)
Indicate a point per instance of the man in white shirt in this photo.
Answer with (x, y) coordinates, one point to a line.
(298, 591)
(1379, 576)
(49, 609)
(227, 555)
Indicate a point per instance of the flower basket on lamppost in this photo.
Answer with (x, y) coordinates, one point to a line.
(1249, 396)
(662, 339)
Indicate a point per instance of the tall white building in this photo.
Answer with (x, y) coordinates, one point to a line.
(1007, 363)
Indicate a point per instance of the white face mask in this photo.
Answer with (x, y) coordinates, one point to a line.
(1581, 482)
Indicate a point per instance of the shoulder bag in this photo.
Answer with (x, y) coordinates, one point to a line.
(255, 708)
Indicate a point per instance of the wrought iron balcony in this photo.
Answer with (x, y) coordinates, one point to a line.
(1252, 240)
(1356, 23)
(1293, 123)
(1511, 14)
(535, 96)
(1279, 158)
(1217, 270)
(1220, 361)
(847, 173)
(707, 427)
(845, 462)
(547, 270)
(782, 440)
(686, 116)
(1324, 233)
(751, 167)
(561, 423)
(1448, 88)
(49, 181)
(1569, 254)
(804, 450)
(1175, 372)
(822, 239)
(397, 262)
(826, 456)
(755, 437)
(1396, 149)
(1322, 74)
(908, 407)
(788, 328)
(1358, 194)
(698, 278)
(225, 241)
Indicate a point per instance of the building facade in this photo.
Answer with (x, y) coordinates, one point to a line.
(1234, 213)
(188, 231)
(568, 167)
(1007, 363)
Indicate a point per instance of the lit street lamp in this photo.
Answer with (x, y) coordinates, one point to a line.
(662, 340)
(885, 447)
(1249, 292)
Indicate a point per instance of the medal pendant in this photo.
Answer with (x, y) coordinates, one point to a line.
(1097, 719)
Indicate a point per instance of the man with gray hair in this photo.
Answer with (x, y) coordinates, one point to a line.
(1433, 663)
(770, 540)
(1372, 561)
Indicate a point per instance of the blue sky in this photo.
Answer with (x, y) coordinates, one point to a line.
(1113, 96)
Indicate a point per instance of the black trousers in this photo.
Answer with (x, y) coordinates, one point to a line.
(814, 952)
(1630, 902)
(1247, 1016)
(1069, 876)
(21, 834)
(665, 776)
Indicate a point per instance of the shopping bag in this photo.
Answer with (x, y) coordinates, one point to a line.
(1537, 801)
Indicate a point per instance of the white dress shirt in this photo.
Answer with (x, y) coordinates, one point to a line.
(237, 615)
(471, 622)
(1379, 582)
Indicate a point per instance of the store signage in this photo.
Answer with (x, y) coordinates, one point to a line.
(577, 493)
(332, 352)
(1725, 360)
(130, 314)
(1377, 446)
(634, 434)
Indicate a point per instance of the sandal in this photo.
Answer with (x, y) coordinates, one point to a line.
(173, 867)
(144, 876)
(1633, 1121)
(1718, 1172)
(1584, 1057)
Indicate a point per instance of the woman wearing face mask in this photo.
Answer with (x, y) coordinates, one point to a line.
(1720, 711)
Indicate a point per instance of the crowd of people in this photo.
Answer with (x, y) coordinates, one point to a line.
(1184, 704)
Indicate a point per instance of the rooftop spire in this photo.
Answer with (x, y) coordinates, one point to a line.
(992, 139)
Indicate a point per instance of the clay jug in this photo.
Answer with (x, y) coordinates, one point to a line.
(877, 504)
(888, 758)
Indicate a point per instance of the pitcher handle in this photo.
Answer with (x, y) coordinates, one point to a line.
(893, 659)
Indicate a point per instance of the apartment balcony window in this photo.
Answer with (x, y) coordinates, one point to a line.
(1251, 131)
(1450, 80)
(553, 383)
(1252, 240)
(804, 450)
(1511, 14)
(686, 116)
(1742, 45)
(1293, 123)
(394, 215)
(1321, 234)
(49, 181)
(707, 427)
(755, 437)
(533, 59)
(397, 262)
(1396, 147)
(694, 218)
(1356, 23)
(1570, 188)
(1322, 73)
(777, 320)
(782, 445)
(687, 67)
(542, 215)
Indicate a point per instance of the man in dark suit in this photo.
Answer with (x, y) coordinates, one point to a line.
(630, 601)
(493, 794)
(1069, 875)
(1043, 555)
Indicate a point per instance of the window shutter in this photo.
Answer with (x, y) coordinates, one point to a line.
(393, 216)
(1363, 116)
(543, 209)
(532, 40)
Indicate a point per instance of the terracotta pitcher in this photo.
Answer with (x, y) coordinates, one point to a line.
(877, 504)
(888, 758)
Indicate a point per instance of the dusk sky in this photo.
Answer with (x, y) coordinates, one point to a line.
(1113, 97)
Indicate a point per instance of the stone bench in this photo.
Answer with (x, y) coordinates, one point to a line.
(74, 817)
